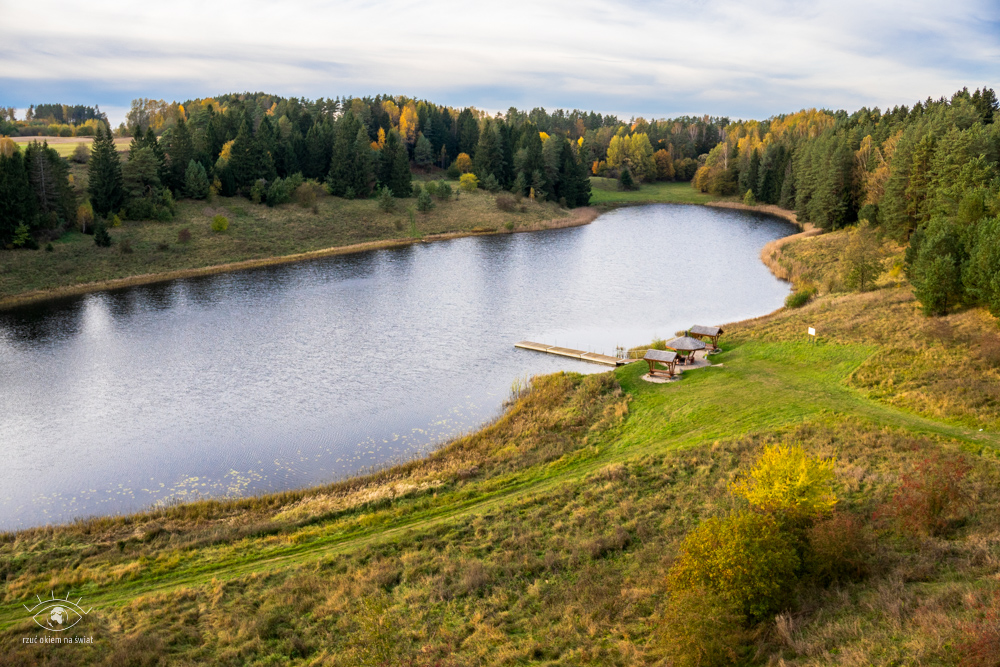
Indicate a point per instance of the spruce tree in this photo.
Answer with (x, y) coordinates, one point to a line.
(180, 151)
(196, 185)
(423, 153)
(364, 167)
(105, 175)
(342, 174)
(49, 179)
(17, 202)
(395, 167)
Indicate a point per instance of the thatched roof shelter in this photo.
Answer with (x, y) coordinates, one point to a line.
(712, 333)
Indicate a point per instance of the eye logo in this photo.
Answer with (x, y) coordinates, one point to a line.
(57, 614)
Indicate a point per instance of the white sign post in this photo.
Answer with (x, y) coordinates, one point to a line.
(812, 332)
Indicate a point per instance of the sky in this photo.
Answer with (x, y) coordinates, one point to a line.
(741, 59)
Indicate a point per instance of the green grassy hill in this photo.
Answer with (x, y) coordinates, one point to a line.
(546, 537)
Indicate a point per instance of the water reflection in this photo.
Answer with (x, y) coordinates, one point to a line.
(299, 374)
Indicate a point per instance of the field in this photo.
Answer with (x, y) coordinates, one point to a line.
(66, 145)
(605, 191)
(545, 538)
(255, 232)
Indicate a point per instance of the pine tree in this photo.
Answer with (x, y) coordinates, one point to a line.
(17, 202)
(468, 132)
(105, 172)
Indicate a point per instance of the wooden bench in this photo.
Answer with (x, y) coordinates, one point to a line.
(668, 359)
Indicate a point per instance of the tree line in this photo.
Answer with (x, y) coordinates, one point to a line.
(927, 176)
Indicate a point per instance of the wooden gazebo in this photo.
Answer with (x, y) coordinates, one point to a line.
(703, 332)
(685, 346)
(668, 359)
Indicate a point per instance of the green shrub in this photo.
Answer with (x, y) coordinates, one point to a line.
(490, 183)
(101, 236)
(453, 171)
(220, 223)
(386, 201)
(625, 181)
(81, 154)
(798, 298)
(749, 199)
(700, 628)
(280, 192)
(444, 191)
(745, 558)
(431, 187)
(424, 201)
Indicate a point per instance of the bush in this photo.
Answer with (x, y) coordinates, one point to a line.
(81, 153)
(453, 171)
(932, 499)
(184, 235)
(701, 629)
(626, 182)
(468, 182)
(386, 201)
(981, 645)
(444, 191)
(220, 223)
(258, 191)
(506, 202)
(349, 193)
(490, 183)
(424, 201)
(101, 236)
(280, 192)
(838, 548)
(798, 298)
(745, 558)
(431, 187)
(125, 247)
(749, 199)
(307, 193)
(788, 482)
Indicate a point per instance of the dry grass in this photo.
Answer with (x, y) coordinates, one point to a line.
(257, 235)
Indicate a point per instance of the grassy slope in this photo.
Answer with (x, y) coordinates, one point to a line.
(254, 232)
(545, 537)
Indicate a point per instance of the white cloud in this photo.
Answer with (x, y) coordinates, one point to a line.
(653, 58)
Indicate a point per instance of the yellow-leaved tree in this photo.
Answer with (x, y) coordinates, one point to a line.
(408, 122)
(787, 481)
(464, 163)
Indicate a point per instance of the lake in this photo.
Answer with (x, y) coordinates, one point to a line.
(305, 373)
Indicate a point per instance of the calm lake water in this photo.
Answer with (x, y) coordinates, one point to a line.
(302, 374)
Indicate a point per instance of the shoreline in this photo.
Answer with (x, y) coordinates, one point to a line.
(577, 217)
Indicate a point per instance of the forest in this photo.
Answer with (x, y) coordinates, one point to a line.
(926, 176)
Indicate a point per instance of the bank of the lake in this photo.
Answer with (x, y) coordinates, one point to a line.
(547, 535)
(145, 252)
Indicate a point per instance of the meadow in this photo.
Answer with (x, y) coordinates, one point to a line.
(186, 244)
(546, 537)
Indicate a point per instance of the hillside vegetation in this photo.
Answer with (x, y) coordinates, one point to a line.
(551, 536)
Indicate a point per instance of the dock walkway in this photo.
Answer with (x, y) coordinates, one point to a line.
(592, 357)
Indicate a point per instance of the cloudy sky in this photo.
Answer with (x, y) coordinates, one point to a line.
(629, 57)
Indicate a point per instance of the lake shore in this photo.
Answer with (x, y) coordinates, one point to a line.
(572, 218)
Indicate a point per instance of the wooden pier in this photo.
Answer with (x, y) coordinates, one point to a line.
(592, 357)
